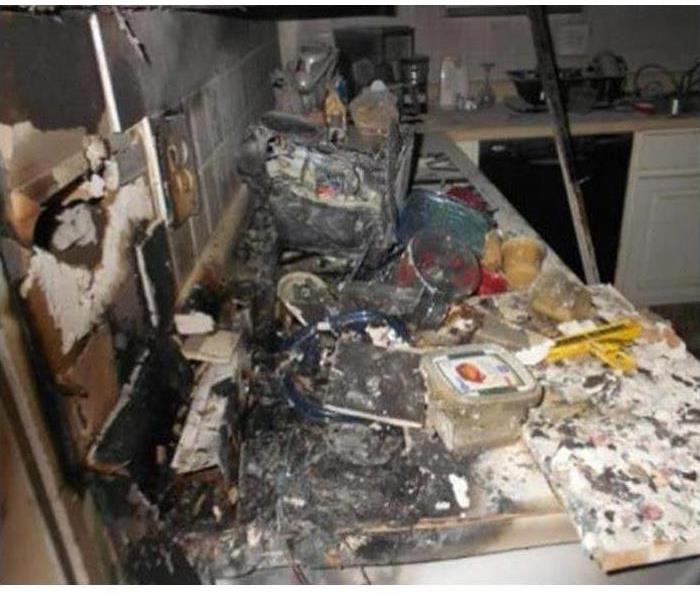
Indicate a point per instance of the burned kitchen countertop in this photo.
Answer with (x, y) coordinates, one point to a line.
(622, 452)
(518, 495)
(329, 498)
(342, 494)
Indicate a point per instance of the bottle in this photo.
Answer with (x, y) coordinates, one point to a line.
(487, 97)
(454, 82)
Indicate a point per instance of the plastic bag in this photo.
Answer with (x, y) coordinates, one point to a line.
(558, 297)
(374, 109)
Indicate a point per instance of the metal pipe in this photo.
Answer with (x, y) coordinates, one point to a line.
(562, 138)
(105, 76)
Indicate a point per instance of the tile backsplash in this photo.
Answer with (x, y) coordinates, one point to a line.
(223, 65)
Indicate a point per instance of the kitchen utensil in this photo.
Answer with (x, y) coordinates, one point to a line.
(487, 97)
(414, 75)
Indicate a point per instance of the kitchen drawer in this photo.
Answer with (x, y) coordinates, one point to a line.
(669, 151)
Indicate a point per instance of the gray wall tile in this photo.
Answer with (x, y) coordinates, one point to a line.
(219, 111)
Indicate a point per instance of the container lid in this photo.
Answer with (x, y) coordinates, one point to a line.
(479, 372)
(427, 209)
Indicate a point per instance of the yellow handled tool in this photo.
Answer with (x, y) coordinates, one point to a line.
(603, 342)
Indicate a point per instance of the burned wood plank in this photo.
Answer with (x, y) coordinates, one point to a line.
(156, 274)
(144, 414)
(91, 388)
(207, 438)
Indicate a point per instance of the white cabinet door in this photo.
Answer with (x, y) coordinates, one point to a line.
(659, 261)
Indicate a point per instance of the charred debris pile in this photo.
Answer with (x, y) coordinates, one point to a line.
(303, 395)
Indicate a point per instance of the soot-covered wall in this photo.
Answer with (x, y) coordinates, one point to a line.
(85, 312)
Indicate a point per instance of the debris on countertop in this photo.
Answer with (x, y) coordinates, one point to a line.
(371, 383)
(556, 296)
(310, 429)
(348, 477)
(478, 396)
(216, 347)
(206, 439)
(621, 451)
(193, 322)
(306, 296)
(382, 297)
(374, 109)
(331, 199)
(522, 260)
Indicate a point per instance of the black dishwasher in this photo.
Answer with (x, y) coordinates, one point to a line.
(527, 172)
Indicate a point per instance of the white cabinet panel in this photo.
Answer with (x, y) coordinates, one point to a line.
(659, 258)
(669, 150)
(659, 255)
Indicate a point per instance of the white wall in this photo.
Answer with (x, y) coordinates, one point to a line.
(667, 35)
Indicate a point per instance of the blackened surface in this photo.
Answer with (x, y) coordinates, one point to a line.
(343, 478)
(145, 421)
(48, 73)
(159, 271)
(310, 226)
(255, 271)
(185, 50)
(199, 503)
(384, 297)
(378, 383)
(364, 180)
(157, 560)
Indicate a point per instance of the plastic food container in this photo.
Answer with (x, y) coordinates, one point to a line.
(478, 395)
(429, 210)
(442, 268)
(442, 265)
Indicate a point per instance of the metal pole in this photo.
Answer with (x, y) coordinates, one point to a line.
(562, 138)
(105, 76)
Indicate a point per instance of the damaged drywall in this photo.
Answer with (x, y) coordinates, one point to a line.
(76, 228)
(31, 153)
(76, 296)
(37, 164)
